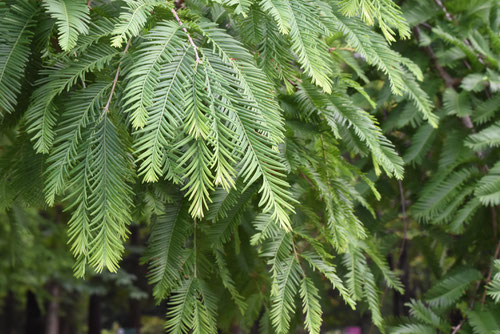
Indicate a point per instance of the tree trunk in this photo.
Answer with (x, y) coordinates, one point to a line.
(68, 321)
(94, 320)
(8, 312)
(34, 320)
(52, 324)
(399, 300)
(131, 265)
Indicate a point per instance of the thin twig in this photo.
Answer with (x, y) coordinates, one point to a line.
(198, 60)
(403, 242)
(195, 249)
(115, 80)
(490, 272)
(449, 17)
(494, 221)
(344, 48)
(457, 327)
(449, 81)
(405, 221)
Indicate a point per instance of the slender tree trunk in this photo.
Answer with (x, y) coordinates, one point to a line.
(131, 265)
(34, 320)
(399, 300)
(135, 315)
(68, 321)
(94, 321)
(8, 312)
(52, 324)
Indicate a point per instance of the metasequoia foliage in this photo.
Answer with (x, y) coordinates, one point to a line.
(451, 189)
(243, 132)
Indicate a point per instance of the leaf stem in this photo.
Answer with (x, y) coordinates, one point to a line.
(115, 80)
(198, 60)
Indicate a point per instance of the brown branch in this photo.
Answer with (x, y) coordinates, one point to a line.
(179, 4)
(451, 18)
(198, 60)
(305, 177)
(115, 80)
(447, 14)
(457, 327)
(490, 272)
(449, 81)
(405, 222)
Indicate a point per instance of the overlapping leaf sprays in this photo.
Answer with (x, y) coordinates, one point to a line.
(457, 194)
(219, 121)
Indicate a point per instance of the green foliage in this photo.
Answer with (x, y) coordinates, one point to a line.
(16, 37)
(252, 136)
(455, 195)
(72, 18)
(484, 321)
(450, 288)
(133, 18)
(494, 285)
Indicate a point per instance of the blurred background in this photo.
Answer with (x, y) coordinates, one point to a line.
(39, 293)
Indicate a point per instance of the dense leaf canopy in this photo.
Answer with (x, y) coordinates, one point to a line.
(275, 150)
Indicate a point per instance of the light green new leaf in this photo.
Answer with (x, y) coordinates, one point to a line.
(310, 304)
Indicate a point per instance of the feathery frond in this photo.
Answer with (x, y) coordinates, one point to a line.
(79, 114)
(160, 45)
(100, 197)
(166, 248)
(285, 288)
(16, 36)
(488, 187)
(132, 19)
(310, 303)
(451, 287)
(72, 19)
(488, 137)
(41, 113)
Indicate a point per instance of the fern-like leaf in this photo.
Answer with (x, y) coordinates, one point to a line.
(166, 248)
(488, 137)
(100, 198)
(311, 306)
(160, 45)
(452, 287)
(16, 36)
(72, 19)
(84, 107)
(285, 288)
(132, 19)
